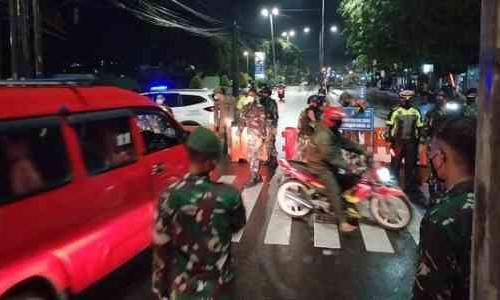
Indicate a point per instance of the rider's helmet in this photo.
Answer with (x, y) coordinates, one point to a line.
(333, 116)
(266, 91)
(314, 99)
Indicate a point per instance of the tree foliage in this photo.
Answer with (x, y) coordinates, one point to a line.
(445, 33)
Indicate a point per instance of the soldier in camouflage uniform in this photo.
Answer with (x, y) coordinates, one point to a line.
(446, 230)
(308, 119)
(471, 109)
(272, 117)
(194, 223)
(324, 158)
(253, 118)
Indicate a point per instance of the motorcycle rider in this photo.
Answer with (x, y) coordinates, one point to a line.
(272, 117)
(281, 91)
(404, 126)
(253, 117)
(324, 158)
(308, 121)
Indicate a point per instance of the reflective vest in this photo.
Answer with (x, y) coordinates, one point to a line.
(405, 123)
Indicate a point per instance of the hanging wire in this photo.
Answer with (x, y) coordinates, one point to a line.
(164, 16)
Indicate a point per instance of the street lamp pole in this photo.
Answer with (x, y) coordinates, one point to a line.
(274, 12)
(273, 44)
(322, 37)
(247, 54)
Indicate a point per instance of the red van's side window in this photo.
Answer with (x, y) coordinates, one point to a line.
(157, 131)
(33, 159)
(106, 144)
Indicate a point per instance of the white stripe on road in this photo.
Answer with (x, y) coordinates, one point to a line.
(414, 226)
(375, 239)
(250, 197)
(227, 179)
(279, 227)
(326, 236)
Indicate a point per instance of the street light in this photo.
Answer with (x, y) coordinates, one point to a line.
(292, 33)
(284, 34)
(334, 29)
(307, 30)
(247, 56)
(266, 13)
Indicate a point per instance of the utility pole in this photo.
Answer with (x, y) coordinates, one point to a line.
(37, 37)
(485, 277)
(322, 37)
(25, 25)
(235, 61)
(14, 38)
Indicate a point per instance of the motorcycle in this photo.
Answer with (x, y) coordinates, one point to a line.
(301, 192)
(281, 94)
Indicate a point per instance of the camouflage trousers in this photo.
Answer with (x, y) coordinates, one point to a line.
(254, 148)
(302, 143)
(271, 144)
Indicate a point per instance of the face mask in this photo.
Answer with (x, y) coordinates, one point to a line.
(250, 99)
(406, 104)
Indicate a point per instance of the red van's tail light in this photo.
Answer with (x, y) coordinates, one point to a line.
(210, 108)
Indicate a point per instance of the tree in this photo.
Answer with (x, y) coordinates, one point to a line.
(224, 81)
(196, 82)
(244, 79)
(445, 33)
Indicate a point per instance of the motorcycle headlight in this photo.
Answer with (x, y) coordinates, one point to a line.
(384, 175)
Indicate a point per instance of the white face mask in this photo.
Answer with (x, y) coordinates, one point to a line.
(250, 99)
(217, 97)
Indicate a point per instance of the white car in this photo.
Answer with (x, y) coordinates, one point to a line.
(190, 107)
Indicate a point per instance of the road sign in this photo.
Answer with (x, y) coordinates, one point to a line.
(260, 68)
(358, 121)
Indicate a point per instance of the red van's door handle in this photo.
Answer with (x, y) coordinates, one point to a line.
(158, 169)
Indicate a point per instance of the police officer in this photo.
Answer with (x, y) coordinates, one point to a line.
(194, 223)
(253, 118)
(224, 112)
(272, 117)
(308, 120)
(324, 158)
(404, 127)
(446, 230)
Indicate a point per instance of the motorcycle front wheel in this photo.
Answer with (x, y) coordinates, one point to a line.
(391, 212)
(289, 206)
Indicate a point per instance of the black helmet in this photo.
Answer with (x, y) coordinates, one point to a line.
(266, 90)
(313, 99)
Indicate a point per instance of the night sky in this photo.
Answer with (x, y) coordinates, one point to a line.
(106, 32)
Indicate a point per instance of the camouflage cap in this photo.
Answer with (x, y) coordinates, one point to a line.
(219, 90)
(204, 141)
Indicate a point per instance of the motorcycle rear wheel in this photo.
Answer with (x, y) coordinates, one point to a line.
(392, 213)
(288, 206)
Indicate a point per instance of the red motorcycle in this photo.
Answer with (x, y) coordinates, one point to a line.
(301, 192)
(281, 93)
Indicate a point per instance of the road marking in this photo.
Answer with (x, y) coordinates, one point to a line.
(250, 197)
(375, 239)
(414, 226)
(227, 179)
(326, 236)
(279, 227)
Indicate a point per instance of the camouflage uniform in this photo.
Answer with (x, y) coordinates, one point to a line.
(224, 112)
(192, 239)
(324, 156)
(306, 127)
(272, 117)
(253, 117)
(471, 110)
(445, 247)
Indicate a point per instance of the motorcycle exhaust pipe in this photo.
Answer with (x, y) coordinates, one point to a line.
(293, 197)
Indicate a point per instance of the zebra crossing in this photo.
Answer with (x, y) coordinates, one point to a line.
(326, 236)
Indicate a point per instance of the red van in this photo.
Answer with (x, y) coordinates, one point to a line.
(81, 168)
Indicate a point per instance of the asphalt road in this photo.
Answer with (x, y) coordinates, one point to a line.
(277, 257)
